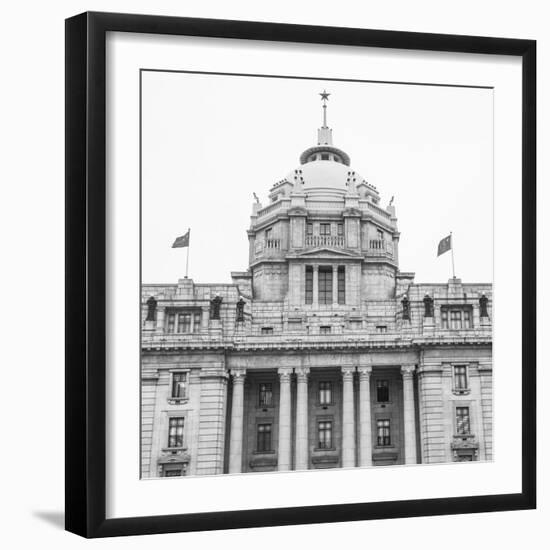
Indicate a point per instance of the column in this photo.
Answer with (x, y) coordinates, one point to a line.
(365, 423)
(315, 285)
(408, 413)
(237, 410)
(284, 459)
(348, 419)
(302, 458)
(335, 285)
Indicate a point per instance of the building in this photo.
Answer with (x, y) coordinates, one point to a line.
(322, 354)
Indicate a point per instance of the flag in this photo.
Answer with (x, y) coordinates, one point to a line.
(444, 245)
(183, 241)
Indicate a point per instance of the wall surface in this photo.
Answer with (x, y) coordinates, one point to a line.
(31, 233)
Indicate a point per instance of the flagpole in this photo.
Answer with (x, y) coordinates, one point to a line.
(453, 254)
(188, 247)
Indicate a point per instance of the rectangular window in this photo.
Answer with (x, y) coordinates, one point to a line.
(173, 472)
(463, 420)
(264, 438)
(379, 234)
(325, 285)
(325, 393)
(309, 229)
(179, 384)
(383, 438)
(341, 285)
(444, 318)
(324, 330)
(340, 229)
(461, 379)
(456, 319)
(309, 284)
(267, 330)
(267, 233)
(324, 229)
(324, 431)
(382, 391)
(266, 395)
(324, 156)
(175, 432)
(381, 329)
(171, 324)
(184, 322)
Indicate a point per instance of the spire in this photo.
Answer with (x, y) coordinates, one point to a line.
(324, 98)
(324, 134)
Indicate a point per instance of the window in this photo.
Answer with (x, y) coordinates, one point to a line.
(266, 395)
(325, 393)
(324, 431)
(179, 385)
(324, 156)
(267, 330)
(264, 438)
(183, 322)
(175, 432)
(382, 391)
(268, 233)
(309, 229)
(463, 420)
(460, 378)
(456, 318)
(173, 472)
(379, 234)
(341, 285)
(324, 229)
(309, 284)
(340, 229)
(324, 330)
(325, 285)
(381, 329)
(383, 432)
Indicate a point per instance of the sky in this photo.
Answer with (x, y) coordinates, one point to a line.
(210, 141)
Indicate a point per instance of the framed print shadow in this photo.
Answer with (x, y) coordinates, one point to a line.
(300, 282)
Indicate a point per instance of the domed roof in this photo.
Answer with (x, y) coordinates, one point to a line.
(326, 174)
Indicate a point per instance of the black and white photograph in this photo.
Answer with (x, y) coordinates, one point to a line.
(316, 273)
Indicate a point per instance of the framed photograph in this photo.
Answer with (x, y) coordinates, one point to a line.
(300, 274)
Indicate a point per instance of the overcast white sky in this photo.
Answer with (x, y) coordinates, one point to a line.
(210, 141)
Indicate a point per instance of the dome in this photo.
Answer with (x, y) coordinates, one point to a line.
(322, 175)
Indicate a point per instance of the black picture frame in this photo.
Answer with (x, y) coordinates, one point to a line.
(86, 273)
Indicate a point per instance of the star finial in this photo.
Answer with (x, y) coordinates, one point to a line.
(324, 98)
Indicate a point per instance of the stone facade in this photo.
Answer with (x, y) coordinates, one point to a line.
(322, 354)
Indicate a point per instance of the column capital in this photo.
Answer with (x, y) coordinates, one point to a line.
(315, 267)
(364, 372)
(238, 375)
(301, 373)
(335, 268)
(407, 370)
(284, 373)
(347, 373)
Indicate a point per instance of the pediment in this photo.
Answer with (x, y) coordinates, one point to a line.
(327, 252)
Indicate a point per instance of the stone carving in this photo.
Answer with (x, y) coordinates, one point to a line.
(428, 306)
(240, 310)
(215, 305)
(151, 309)
(406, 308)
(483, 301)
